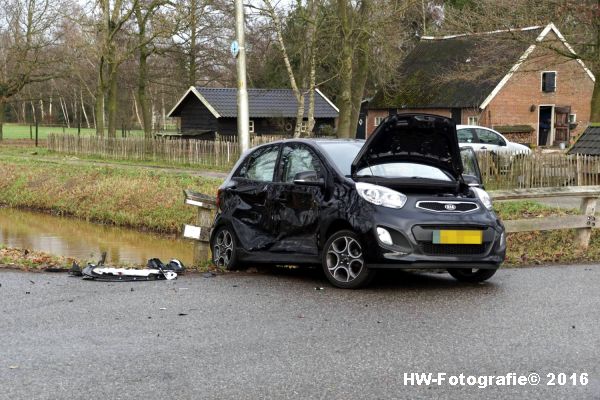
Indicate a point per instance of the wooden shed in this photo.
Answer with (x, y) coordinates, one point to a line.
(204, 112)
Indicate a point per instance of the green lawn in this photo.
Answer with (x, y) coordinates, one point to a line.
(18, 131)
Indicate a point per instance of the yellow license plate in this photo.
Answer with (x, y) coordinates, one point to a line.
(457, 237)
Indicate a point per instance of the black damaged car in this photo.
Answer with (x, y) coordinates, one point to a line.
(408, 198)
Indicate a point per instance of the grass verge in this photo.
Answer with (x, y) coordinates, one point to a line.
(21, 152)
(37, 261)
(135, 197)
(27, 131)
(32, 260)
(548, 247)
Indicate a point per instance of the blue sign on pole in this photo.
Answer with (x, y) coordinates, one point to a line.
(235, 48)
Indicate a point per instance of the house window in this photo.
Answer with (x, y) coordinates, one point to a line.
(549, 81)
(473, 120)
(251, 126)
(572, 118)
(378, 120)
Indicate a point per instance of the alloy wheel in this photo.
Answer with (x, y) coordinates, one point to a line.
(344, 259)
(223, 248)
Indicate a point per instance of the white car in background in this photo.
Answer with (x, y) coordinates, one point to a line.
(485, 139)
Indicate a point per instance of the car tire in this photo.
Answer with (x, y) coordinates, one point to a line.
(343, 261)
(224, 249)
(471, 275)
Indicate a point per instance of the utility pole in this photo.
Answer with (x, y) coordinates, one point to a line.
(243, 119)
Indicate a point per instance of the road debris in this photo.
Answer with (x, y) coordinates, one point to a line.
(75, 270)
(155, 270)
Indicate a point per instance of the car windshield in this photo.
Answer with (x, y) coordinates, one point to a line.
(405, 170)
(342, 153)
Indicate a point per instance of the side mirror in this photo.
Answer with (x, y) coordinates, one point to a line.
(309, 178)
(472, 180)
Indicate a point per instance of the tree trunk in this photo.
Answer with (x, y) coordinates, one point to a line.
(43, 113)
(34, 115)
(192, 67)
(99, 105)
(299, 116)
(111, 101)
(2, 106)
(345, 97)
(359, 78)
(87, 121)
(142, 93)
(595, 111)
(164, 112)
(310, 123)
(63, 106)
(136, 111)
(345, 71)
(311, 38)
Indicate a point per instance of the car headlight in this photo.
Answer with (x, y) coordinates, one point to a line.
(380, 195)
(483, 196)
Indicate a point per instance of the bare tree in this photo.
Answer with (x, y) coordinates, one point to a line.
(27, 37)
(149, 29)
(367, 39)
(201, 41)
(305, 73)
(112, 17)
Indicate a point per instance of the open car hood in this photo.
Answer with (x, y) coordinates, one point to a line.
(417, 138)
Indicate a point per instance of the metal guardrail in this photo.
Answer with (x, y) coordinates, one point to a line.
(583, 223)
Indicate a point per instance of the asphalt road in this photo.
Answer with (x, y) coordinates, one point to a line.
(272, 335)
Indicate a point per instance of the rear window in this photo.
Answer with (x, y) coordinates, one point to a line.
(342, 153)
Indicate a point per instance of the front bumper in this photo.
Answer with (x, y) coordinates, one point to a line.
(412, 234)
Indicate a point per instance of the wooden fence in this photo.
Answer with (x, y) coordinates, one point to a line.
(213, 153)
(582, 223)
(500, 171)
(510, 171)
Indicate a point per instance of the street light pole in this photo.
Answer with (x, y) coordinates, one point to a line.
(243, 119)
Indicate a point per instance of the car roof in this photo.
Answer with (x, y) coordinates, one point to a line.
(313, 141)
(322, 140)
(474, 126)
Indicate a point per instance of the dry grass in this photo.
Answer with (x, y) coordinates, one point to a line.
(134, 197)
(32, 260)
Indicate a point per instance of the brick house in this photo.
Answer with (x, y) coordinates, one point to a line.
(512, 81)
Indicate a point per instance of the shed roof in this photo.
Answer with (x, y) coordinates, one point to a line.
(588, 143)
(262, 103)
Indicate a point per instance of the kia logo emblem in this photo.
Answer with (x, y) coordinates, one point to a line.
(450, 207)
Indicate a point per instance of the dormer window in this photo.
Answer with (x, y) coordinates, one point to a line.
(549, 81)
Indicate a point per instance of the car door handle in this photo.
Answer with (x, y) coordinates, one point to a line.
(483, 148)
